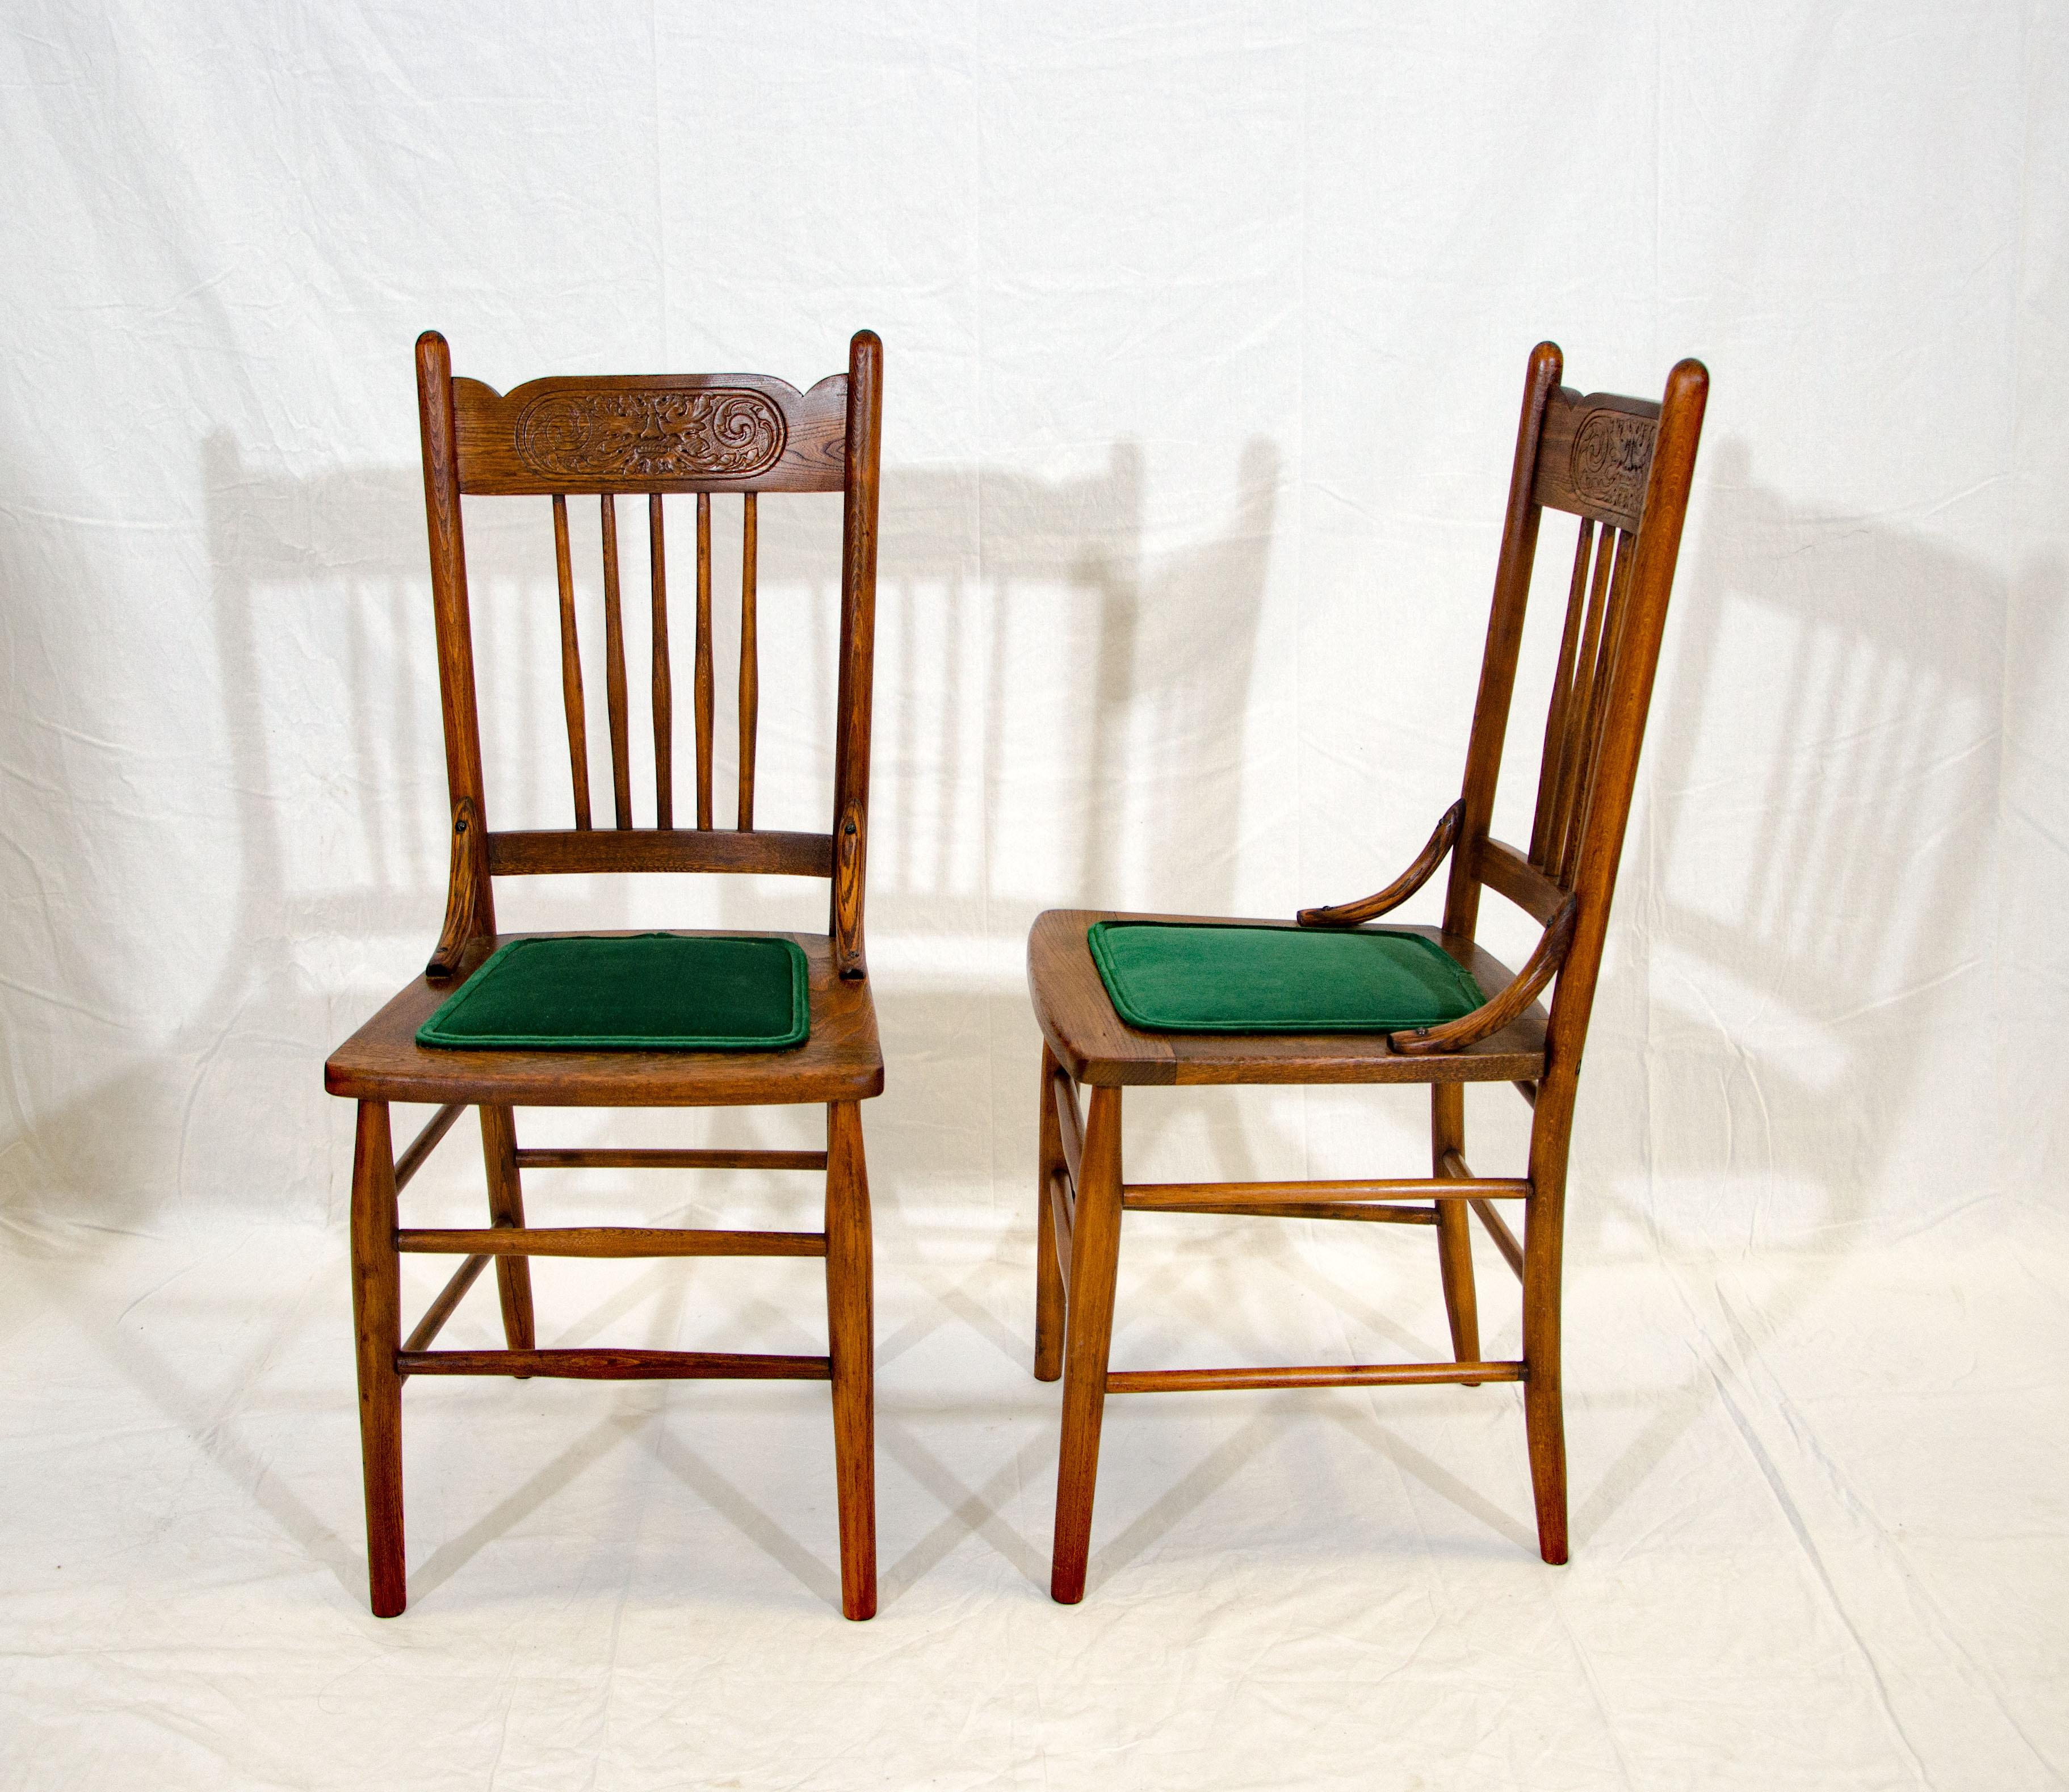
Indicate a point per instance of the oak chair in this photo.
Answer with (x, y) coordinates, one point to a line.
(663, 435)
(1622, 466)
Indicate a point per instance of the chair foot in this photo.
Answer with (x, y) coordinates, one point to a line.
(377, 1327)
(851, 1344)
(1544, 1414)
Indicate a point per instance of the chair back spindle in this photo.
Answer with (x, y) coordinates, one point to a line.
(703, 671)
(749, 701)
(663, 703)
(660, 435)
(571, 676)
(614, 670)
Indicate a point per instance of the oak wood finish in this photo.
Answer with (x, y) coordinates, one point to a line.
(749, 701)
(707, 434)
(1623, 466)
(608, 1241)
(608, 1157)
(1379, 1374)
(377, 1320)
(1051, 1252)
(768, 853)
(663, 698)
(1152, 1196)
(614, 1366)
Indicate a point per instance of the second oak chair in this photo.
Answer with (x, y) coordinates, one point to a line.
(1623, 466)
(686, 434)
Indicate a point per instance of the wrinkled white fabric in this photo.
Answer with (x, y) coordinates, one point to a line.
(1204, 330)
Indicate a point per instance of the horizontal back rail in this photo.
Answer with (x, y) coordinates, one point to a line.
(597, 851)
(1502, 868)
(647, 433)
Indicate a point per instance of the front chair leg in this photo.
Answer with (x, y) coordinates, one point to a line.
(506, 1207)
(851, 1344)
(1454, 1235)
(1048, 1274)
(377, 1326)
(1095, 1259)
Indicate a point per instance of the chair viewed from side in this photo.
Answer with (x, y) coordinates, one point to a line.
(709, 436)
(1225, 1003)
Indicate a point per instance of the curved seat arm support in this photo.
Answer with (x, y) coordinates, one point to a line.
(1490, 1017)
(1349, 914)
(464, 895)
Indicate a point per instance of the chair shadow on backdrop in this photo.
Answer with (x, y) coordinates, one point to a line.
(1884, 691)
(1873, 666)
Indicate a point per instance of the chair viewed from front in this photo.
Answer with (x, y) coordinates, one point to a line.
(1223, 1003)
(708, 436)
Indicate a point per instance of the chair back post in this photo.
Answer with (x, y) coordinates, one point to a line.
(858, 651)
(1512, 593)
(470, 907)
(1634, 664)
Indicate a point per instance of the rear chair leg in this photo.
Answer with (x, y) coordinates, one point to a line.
(1544, 1407)
(1094, 1260)
(851, 1344)
(1048, 1277)
(1454, 1235)
(376, 1323)
(506, 1207)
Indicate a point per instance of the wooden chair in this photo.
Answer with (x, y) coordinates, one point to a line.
(1623, 466)
(665, 434)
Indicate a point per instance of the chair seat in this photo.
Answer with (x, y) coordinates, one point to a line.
(841, 1060)
(1095, 1046)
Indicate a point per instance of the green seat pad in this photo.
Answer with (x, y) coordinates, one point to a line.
(1181, 976)
(635, 992)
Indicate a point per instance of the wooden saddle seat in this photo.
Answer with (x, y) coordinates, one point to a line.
(1095, 1046)
(1623, 467)
(840, 1061)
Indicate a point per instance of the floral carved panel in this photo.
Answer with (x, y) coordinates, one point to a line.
(1612, 458)
(714, 431)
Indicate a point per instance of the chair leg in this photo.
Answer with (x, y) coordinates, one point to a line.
(851, 1344)
(376, 1323)
(1454, 1235)
(1048, 1277)
(1089, 1337)
(506, 1207)
(1543, 1409)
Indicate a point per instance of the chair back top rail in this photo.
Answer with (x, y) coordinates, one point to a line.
(651, 432)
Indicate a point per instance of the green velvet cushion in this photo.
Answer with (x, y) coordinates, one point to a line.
(638, 992)
(1177, 976)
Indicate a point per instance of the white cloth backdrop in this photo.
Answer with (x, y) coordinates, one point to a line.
(1205, 328)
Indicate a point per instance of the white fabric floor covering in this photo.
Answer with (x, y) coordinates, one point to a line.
(1815, 1546)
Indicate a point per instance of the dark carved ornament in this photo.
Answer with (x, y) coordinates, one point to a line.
(715, 431)
(1612, 457)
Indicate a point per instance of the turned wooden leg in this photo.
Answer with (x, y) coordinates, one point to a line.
(1095, 1258)
(1543, 1408)
(1048, 1273)
(1454, 1235)
(506, 1207)
(377, 1323)
(851, 1344)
